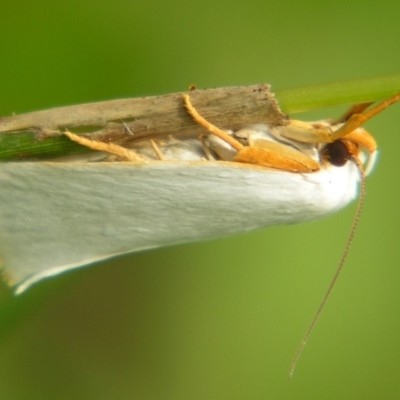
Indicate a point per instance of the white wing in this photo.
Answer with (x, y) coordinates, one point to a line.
(59, 216)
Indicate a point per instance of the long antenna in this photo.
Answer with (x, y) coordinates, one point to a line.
(337, 272)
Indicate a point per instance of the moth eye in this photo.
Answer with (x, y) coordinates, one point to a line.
(336, 153)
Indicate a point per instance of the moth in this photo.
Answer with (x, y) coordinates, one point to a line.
(203, 176)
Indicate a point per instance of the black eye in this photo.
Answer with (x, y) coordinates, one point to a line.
(336, 153)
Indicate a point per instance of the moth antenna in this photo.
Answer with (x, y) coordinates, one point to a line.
(337, 272)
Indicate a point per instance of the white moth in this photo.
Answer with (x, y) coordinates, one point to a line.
(56, 216)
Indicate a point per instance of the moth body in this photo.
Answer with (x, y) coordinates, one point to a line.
(171, 189)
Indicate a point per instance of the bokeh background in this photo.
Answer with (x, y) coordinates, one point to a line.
(220, 319)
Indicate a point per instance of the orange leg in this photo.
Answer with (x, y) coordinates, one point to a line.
(356, 109)
(122, 152)
(209, 126)
(356, 120)
(269, 154)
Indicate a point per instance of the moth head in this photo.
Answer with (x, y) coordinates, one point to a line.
(358, 144)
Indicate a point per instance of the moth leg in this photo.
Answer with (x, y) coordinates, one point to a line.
(316, 133)
(157, 150)
(356, 109)
(278, 156)
(206, 149)
(267, 154)
(209, 126)
(119, 151)
(358, 119)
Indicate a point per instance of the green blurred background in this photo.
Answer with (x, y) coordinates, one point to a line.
(221, 319)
